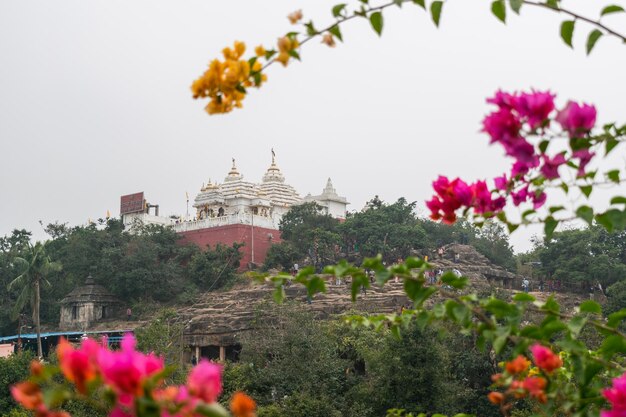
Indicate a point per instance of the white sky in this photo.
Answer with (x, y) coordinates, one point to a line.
(95, 100)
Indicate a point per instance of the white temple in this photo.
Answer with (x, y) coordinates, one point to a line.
(237, 201)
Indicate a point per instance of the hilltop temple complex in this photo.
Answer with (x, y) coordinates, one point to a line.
(236, 211)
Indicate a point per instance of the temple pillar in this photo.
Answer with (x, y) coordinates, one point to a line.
(222, 353)
(197, 353)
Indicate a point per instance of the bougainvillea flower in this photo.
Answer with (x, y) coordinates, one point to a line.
(535, 385)
(577, 120)
(501, 183)
(539, 199)
(550, 167)
(495, 397)
(126, 370)
(545, 359)
(517, 365)
(616, 395)
(502, 125)
(520, 195)
(242, 405)
(584, 156)
(28, 394)
(503, 100)
(205, 381)
(78, 365)
(535, 107)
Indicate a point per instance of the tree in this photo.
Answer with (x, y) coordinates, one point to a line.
(213, 268)
(391, 230)
(312, 233)
(35, 266)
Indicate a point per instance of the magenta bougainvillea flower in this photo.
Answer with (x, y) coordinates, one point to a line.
(577, 119)
(616, 396)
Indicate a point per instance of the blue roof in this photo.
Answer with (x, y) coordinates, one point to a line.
(34, 335)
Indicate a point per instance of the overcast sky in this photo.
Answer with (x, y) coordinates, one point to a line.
(95, 100)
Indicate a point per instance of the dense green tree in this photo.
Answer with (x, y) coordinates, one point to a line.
(296, 365)
(281, 256)
(13, 369)
(312, 233)
(582, 257)
(391, 230)
(34, 266)
(215, 267)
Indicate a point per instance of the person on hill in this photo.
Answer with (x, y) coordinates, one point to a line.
(525, 285)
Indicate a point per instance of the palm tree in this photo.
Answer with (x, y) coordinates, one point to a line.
(35, 265)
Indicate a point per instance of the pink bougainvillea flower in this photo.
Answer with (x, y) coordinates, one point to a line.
(545, 359)
(502, 125)
(539, 199)
(550, 167)
(451, 195)
(126, 370)
(535, 107)
(584, 156)
(521, 150)
(503, 100)
(616, 395)
(577, 120)
(520, 196)
(535, 385)
(78, 365)
(501, 183)
(205, 381)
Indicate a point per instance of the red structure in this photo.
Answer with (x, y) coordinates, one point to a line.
(254, 250)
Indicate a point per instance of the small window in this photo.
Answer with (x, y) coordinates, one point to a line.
(104, 312)
(74, 312)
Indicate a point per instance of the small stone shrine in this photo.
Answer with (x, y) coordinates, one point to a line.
(86, 305)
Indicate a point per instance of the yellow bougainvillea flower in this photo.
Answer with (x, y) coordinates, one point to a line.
(259, 51)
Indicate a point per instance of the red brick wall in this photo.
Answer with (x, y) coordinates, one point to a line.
(241, 233)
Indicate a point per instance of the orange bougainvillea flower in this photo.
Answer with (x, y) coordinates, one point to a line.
(242, 405)
(495, 397)
(28, 394)
(517, 365)
(545, 359)
(36, 368)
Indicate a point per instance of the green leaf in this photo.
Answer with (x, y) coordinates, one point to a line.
(555, 209)
(451, 279)
(612, 219)
(618, 200)
(269, 54)
(310, 29)
(565, 187)
(611, 143)
(613, 344)
(376, 19)
(613, 175)
(543, 145)
(420, 3)
(516, 5)
(336, 32)
(567, 30)
(337, 9)
(212, 410)
(585, 213)
(616, 318)
(576, 324)
(590, 306)
(499, 10)
(416, 291)
(293, 53)
(523, 297)
(586, 190)
(611, 9)
(550, 224)
(435, 11)
(592, 39)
